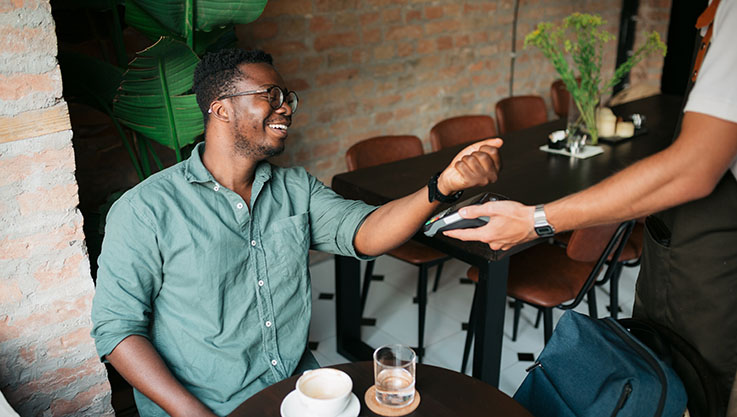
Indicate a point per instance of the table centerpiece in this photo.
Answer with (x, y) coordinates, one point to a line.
(577, 46)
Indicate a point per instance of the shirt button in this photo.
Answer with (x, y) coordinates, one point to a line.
(273, 362)
(260, 283)
(216, 188)
(268, 324)
(239, 205)
(253, 243)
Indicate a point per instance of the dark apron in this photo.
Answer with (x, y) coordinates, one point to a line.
(690, 285)
(688, 276)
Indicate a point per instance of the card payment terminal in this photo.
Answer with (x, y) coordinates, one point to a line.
(450, 219)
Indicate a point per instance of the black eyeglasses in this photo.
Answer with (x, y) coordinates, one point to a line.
(276, 96)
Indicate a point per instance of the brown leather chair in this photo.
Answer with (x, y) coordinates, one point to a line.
(461, 129)
(520, 112)
(547, 276)
(560, 98)
(381, 150)
(630, 257)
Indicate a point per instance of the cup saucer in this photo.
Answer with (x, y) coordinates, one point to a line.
(292, 407)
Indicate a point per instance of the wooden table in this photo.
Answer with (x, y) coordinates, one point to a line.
(444, 393)
(530, 176)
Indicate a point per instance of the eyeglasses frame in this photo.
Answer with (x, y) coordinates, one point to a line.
(284, 93)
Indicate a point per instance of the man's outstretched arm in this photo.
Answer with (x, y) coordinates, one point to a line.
(395, 222)
(687, 170)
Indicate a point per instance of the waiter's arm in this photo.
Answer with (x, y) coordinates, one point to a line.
(687, 170)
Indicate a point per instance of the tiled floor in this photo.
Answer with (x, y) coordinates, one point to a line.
(390, 302)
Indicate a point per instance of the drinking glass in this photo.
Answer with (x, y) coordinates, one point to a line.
(394, 375)
(576, 142)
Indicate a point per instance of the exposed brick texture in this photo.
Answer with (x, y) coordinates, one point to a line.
(370, 67)
(48, 363)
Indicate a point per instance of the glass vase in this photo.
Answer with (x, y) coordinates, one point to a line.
(576, 130)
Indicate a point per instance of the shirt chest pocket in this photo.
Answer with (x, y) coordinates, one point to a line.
(287, 244)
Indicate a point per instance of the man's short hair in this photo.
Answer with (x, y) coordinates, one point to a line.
(217, 73)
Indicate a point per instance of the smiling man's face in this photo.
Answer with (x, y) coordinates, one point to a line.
(259, 130)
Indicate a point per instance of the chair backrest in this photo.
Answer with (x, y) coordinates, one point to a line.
(560, 97)
(595, 245)
(587, 245)
(381, 150)
(520, 112)
(461, 129)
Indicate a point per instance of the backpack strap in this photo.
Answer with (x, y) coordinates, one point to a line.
(705, 20)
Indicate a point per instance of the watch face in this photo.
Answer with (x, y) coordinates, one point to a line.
(544, 231)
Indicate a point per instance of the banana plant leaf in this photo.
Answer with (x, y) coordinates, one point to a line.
(181, 18)
(94, 82)
(89, 80)
(154, 97)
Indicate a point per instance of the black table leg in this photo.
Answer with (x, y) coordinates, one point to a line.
(348, 310)
(489, 332)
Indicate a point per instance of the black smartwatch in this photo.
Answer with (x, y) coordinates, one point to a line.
(434, 194)
(542, 227)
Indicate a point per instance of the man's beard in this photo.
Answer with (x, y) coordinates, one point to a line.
(244, 147)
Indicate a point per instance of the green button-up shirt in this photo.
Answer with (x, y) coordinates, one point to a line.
(222, 293)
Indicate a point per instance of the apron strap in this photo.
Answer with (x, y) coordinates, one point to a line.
(705, 20)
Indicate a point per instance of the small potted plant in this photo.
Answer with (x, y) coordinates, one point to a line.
(577, 46)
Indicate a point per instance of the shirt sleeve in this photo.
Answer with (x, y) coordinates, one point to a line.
(334, 220)
(128, 278)
(715, 90)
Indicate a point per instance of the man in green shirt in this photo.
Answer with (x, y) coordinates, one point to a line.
(203, 289)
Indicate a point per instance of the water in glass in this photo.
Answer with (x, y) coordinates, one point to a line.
(395, 387)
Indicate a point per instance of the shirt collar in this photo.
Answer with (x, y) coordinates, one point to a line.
(195, 171)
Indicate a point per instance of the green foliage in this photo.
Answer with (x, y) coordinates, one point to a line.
(196, 23)
(94, 82)
(577, 46)
(153, 97)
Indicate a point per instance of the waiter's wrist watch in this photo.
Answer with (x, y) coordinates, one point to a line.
(542, 227)
(434, 194)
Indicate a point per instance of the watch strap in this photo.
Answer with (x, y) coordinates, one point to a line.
(542, 227)
(434, 194)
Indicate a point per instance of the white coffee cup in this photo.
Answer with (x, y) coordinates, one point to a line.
(324, 392)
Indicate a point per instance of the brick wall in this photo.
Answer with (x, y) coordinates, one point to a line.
(48, 364)
(374, 67)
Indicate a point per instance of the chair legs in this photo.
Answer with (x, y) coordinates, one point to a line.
(469, 331)
(547, 323)
(421, 298)
(593, 311)
(367, 277)
(421, 308)
(517, 308)
(614, 290)
(437, 276)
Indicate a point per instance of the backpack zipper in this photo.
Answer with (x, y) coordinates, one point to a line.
(626, 391)
(627, 337)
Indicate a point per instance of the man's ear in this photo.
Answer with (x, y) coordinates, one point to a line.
(219, 111)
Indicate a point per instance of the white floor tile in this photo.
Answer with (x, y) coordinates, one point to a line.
(326, 353)
(512, 376)
(402, 324)
(453, 300)
(375, 337)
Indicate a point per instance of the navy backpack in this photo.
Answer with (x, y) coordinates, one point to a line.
(597, 368)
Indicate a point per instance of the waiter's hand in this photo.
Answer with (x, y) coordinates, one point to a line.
(475, 166)
(510, 223)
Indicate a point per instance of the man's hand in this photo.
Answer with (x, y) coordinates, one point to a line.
(475, 166)
(510, 223)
